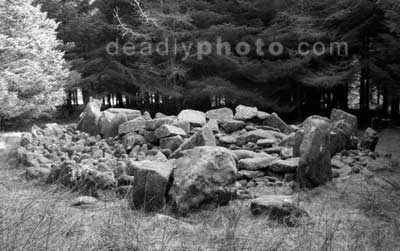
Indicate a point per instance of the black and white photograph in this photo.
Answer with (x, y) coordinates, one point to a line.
(199, 125)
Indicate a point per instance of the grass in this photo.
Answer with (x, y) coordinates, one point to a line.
(348, 214)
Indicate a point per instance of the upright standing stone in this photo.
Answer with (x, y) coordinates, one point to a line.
(89, 119)
(315, 157)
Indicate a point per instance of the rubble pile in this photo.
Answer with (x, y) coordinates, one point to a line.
(195, 159)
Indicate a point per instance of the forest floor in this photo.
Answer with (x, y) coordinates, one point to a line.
(354, 212)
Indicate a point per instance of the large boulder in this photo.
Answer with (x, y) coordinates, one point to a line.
(369, 140)
(88, 121)
(245, 112)
(204, 137)
(150, 185)
(280, 208)
(254, 136)
(276, 122)
(342, 137)
(202, 176)
(220, 114)
(134, 125)
(166, 131)
(315, 157)
(195, 118)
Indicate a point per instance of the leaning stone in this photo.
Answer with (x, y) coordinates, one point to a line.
(275, 121)
(285, 166)
(156, 155)
(220, 114)
(195, 118)
(245, 112)
(150, 186)
(279, 208)
(204, 137)
(165, 131)
(255, 164)
(203, 176)
(348, 118)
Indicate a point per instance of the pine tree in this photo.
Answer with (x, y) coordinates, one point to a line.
(32, 67)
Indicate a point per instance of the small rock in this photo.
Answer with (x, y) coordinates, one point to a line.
(228, 140)
(165, 131)
(245, 112)
(266, 142)
(246, 154)
(220, 114)
(132, 126)
(230, 126)
(250, 175)
(154, 124)
(280, 208)
(254, 136)
(84, 201)
(255, 164)
(196, 118)
(285, 166)
(263, 115)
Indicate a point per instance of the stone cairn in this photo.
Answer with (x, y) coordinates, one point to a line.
(193, 160)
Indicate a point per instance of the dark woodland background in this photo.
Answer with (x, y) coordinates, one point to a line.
(71, 56)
